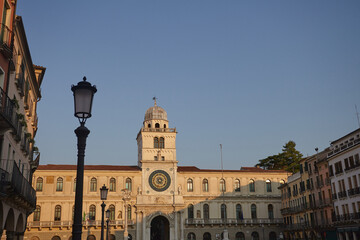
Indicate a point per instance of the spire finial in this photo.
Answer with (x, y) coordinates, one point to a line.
(154, 98)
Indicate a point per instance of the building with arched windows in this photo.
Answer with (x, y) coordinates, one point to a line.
(165, 200)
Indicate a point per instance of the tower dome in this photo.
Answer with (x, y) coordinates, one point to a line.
(155, 113)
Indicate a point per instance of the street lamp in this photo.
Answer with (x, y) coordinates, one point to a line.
(107, 223)
(103, 197)
(83, 97)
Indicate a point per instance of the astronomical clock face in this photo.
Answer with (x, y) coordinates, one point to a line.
(159, 180)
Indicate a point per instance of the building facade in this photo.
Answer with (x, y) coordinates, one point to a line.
(20, 82)
(344, 168)
(157, 199)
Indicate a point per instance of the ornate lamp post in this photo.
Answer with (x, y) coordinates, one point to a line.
(107, 223)
(83, 98)
(103, 197)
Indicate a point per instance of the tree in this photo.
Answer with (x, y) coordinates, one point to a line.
(287, 160)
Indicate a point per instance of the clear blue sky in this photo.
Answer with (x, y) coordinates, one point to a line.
(248, 74)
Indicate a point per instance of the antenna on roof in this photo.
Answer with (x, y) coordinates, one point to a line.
(154, 98)
(357, 115)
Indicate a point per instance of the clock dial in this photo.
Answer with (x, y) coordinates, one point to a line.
(159, 180)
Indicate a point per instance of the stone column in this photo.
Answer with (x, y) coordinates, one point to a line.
(181, 226)
(138, 215)
(143, 225)
(175, 225)
(354, 236)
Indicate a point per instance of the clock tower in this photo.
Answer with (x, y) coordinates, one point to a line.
(157, 154)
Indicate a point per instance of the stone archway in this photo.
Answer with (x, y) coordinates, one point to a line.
(160, 229)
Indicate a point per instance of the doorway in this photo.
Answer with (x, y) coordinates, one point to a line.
(159, 229)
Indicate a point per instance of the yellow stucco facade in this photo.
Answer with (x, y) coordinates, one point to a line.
(167, 201)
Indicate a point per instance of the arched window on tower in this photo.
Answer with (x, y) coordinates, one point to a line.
(157, 125)
(149, 125)
(156, 142)
(164, 125)
(189, 185)
(162, 143)
(191, 236)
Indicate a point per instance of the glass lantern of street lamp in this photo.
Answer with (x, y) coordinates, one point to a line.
(107, 213)
(83, 98)
(103, 192)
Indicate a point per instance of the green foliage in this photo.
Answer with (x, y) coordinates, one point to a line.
(287, 160)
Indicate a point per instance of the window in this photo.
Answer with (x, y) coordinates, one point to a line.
(189, 185)
(157, 125)
(207, 236)
(112, 185)
(128, 184)
(129, 212)
(271, 211)
(37, 214)
(112, 212)
(240, 236)
(162, 143)
(205, 185)
(253, 211)
(191, 236)
(254, 236)
(57, 216)
(39, 184)
(156, 142)
(92, 212)
(93, 185)
(222, 185)
(59, 184)
(239, 213)
(252, 185)
(155, 158)
(191, 211)
(55, 238)
(74, 188)
(91, 237)
(268, 185)
(223, 211)
(206, 211)
(237, 185)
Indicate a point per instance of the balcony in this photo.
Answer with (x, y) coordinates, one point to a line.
(5, 40)
(296, 209)
(354, 191)
(232, 221)
(342, 194)
(8, 118)
(16, 187)
(172, 130)
(68, 224)
(346, 217)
